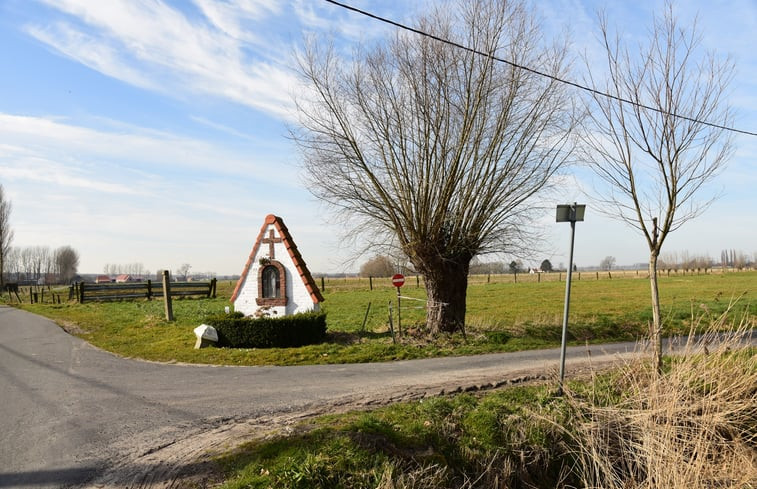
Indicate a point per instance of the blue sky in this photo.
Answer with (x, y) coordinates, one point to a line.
(155, 131)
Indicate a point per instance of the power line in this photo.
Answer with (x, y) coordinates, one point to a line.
(591, 90)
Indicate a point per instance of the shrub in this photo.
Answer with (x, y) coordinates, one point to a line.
(237, 331)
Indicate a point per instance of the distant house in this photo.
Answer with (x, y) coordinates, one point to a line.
(124, 278)
(275, 278)
(102, 279)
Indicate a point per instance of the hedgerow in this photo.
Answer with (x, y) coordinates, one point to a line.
(237, 331)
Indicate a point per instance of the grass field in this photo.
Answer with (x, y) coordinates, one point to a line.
(502, 315)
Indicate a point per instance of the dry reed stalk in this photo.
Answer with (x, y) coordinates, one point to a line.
(692, 427)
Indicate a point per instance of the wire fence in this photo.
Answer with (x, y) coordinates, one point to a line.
(332, 284)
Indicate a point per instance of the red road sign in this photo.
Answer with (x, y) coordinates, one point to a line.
(398, 280)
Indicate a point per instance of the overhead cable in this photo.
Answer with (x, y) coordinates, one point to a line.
(591, 90)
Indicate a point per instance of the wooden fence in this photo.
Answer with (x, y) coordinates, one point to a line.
(86, 292)
(34, 293)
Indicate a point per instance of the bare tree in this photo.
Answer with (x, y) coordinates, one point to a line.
(46, 264)
(36, 261)
(478, 267)
(66, 263)
(655, 154)
(434, 147)
(607, 263)
(12, 264)
(378, 266)
(6, 232)
(183, 270)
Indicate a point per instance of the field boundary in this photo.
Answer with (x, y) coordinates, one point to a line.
(87, 292)
(415, 281)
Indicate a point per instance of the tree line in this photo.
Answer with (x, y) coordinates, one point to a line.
(41, 264)
(386, 266)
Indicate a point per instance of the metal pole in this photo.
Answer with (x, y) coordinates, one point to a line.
(567, 304)
(399, 312)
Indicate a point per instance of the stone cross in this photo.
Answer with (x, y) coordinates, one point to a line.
(271, 241)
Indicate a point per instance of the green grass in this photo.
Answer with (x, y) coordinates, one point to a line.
(524, 436)
(501, 316)
(445, 439)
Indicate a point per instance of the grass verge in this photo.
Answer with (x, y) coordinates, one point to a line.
(695, 426)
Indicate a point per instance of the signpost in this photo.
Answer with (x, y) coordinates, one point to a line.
(398, 280)
(568, 213)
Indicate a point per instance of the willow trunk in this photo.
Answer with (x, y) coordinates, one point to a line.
(446, 289)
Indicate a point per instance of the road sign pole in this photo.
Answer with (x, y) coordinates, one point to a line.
(567, 213)
(399, 313)
(398, 280)
(566, 310)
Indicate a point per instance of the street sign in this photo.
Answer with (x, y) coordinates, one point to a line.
(398, 280)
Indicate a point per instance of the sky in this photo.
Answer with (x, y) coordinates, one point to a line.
(156, 131)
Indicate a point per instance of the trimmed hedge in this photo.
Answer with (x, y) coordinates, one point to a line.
(237, 331)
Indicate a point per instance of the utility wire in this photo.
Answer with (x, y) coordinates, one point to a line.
(591, 90)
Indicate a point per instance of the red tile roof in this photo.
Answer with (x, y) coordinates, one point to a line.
(299, 263)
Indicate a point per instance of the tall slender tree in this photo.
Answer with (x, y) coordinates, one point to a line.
(437, 148)
(6, 232)
(660, 140)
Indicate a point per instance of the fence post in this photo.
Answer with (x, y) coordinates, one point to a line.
(213, 283)
(81, 293)
(365, 319)
(370, 282)
(391, 323)
(167, 295)
(149, 289)
(323, 285)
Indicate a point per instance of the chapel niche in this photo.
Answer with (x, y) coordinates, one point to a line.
(272, 284)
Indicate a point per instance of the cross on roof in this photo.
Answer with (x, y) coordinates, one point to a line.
(270, 240)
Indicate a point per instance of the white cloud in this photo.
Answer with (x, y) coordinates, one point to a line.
(128, 148)
(154, 46)
(228, 16)
(113, 191)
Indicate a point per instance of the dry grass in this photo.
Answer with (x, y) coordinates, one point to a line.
(693, 427)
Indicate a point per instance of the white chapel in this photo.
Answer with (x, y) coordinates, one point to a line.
(275, 279)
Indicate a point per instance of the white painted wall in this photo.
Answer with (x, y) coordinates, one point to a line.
(298, 297)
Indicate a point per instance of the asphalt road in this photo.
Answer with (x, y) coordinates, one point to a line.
(69, 411)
